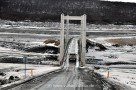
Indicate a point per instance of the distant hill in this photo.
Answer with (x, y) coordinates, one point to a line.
(98, 12)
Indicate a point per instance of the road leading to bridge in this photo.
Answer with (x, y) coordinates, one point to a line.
(75, 79)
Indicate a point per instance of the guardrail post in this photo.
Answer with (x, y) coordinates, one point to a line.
(108, 73)
(31, 72)
(25, 60)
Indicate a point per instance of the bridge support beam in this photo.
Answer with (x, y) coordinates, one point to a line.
(67, 31)
(77, 61)
(61, 40)
(83, 40)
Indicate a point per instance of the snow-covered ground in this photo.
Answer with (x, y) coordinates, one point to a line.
(114, 54)
(23, 25)
(30, 34)
(128, 1)
(122, 73)
(19, 69)
(24, 74)
(17, 36)
(10, 52)
(123, 76)
(124, 53)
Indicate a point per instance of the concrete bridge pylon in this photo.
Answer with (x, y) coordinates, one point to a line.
(82, 36)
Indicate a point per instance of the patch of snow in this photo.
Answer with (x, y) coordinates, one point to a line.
(51, 44)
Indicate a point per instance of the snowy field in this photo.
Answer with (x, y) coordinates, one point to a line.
(15, 36)
(19, 69)
(124, 76)
(23, 73)
(119, 60)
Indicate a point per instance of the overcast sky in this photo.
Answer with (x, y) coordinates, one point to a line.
(122, 0)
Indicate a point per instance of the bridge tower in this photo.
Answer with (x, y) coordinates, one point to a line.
(82, 36)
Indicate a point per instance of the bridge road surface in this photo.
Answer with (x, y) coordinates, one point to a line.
(73, 79)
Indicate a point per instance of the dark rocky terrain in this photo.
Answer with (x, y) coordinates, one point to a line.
(98, 12)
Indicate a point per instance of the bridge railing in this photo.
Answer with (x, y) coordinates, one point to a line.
(63, 63)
